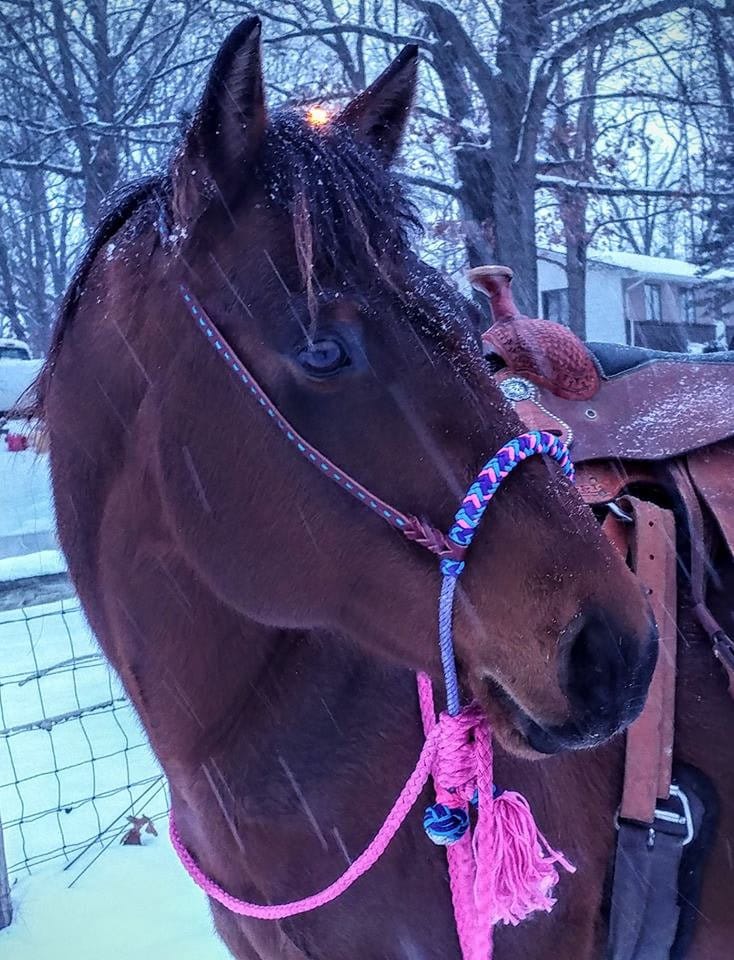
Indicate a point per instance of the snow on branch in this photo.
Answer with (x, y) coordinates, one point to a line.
(609, 190)
(41, 165)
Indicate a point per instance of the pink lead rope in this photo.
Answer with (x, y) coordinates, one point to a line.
(502, 872)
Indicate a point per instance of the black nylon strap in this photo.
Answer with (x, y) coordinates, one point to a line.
(645, 912)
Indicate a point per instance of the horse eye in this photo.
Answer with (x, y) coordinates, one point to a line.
(324, 357)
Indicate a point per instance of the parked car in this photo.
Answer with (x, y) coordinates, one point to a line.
(14, 349)
(17, 372)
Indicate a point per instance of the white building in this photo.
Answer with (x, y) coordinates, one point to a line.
(650, 301)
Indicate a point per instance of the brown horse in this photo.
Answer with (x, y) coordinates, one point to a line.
(266, 626)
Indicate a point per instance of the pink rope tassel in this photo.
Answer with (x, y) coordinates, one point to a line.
(519, 872)
(506, 869)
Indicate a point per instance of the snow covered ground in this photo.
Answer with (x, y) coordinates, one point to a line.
(73, 757)
(39, 564)
(74, 764)
(134, 903)
(26, 513)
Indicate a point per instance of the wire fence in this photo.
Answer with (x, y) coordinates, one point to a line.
(74, 760)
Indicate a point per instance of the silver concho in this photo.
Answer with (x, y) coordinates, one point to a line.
(518, 388)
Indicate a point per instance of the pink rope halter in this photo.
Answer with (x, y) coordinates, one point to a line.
(502, 868)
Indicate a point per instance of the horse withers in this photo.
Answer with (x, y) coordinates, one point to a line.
(265, 624)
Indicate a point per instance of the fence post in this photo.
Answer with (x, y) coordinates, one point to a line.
(6, 907)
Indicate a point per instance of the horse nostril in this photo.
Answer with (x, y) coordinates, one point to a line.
(606, 674)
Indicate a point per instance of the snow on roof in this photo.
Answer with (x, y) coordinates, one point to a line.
(659, 266)
(722, 273)
(15, 377)
(640, 263)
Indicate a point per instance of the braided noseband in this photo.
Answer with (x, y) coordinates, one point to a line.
(506, 869)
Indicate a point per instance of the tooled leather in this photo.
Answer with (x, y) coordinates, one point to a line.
(547, 353)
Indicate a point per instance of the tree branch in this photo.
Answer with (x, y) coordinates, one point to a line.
(42, 165)
(133, 35)
(608, 190)
(356, 28)
(446, 188)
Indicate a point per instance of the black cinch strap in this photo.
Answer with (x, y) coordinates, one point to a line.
(645, 907)
(645, 910)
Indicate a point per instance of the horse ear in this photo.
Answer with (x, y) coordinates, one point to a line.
(379, 115)
(227, 127)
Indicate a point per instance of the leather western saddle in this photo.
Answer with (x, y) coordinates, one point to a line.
(637, 421)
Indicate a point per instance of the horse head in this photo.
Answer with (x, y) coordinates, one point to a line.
(293, 230)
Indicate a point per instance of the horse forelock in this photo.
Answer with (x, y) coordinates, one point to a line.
(350, 215)
(353, 223)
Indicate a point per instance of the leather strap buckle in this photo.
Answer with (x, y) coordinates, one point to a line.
(614, 507)
(677, 823)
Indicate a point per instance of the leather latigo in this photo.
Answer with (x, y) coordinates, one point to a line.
(649, 755)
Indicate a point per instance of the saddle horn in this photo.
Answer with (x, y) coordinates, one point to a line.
(546, 353)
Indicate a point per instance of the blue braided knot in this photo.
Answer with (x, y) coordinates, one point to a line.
(445, 825)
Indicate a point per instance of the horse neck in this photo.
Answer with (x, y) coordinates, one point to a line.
(233, 705)
(299, 709)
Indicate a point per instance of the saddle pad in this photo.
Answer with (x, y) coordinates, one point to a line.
(616, 358)
(660, 410)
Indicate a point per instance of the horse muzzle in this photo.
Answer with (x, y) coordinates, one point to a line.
(605, 675)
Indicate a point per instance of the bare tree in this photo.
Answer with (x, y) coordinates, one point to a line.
(86, 96)
(552, 122)
(496, 65)
(717, 247)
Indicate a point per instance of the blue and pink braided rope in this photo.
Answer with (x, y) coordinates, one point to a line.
(490, 477)
(467, 519)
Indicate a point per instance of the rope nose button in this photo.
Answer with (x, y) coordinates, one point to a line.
(445, 825)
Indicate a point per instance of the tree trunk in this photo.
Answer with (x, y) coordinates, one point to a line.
(474, 173)
(496, 182)
(104, 169)
(40, 313)
(514, 141)
(573, 144)
(514, 225)
(573, 215)
(9, 299)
